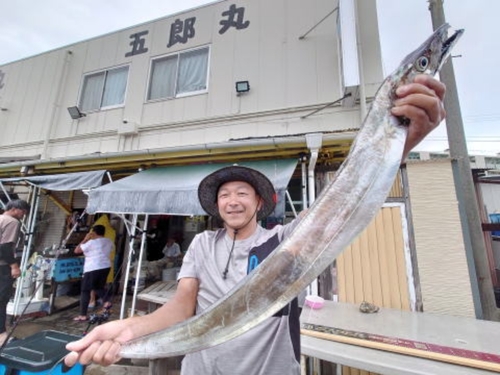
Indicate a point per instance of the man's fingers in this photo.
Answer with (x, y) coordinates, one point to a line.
(423, 84)
(104, 353)
(87, 355)
(405, 91)
(71, 359)
(438, 87)
(430, 105)
(108, 353)
(78, 345)
(419, 119)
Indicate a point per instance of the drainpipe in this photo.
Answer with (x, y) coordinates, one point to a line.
(314, 142)
(362, 92)
(303, 169)
(57, 102)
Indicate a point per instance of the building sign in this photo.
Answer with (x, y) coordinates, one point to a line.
(235, 18)
(138, 43)
(183, 30)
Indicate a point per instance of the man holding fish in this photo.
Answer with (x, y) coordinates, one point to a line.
(240, 204)
(217, 261)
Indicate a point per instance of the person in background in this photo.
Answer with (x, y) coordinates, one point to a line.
(96, 248)
(9, 268)
(154, 242)
(217, 260)
(93, 302)
(172, 250)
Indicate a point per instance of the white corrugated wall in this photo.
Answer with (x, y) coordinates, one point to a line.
(442, 265)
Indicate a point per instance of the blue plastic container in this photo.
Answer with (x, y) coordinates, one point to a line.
(40, 354)
(495, 219)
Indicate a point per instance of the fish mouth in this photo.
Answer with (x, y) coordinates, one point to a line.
(449, 43)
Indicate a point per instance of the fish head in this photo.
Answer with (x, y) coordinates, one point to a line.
(430, 56)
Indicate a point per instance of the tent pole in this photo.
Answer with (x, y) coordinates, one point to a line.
(289, 198)
(63, 243)
(6, 195)
(131, 233)
(35, 201)
(139, 263)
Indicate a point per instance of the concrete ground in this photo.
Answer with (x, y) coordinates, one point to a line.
(61, 320)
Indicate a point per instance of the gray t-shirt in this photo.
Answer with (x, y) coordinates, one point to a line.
(271, 348)
(9, 233)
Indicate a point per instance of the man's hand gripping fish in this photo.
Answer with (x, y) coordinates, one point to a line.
(336, 218)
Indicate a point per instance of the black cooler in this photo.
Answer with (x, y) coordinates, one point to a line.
(40, 354)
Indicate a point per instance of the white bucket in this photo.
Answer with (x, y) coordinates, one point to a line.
(170, 273)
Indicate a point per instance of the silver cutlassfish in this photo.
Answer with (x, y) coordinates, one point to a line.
(344, 208)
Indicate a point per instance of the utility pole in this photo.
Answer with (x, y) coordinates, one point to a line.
(481, 281)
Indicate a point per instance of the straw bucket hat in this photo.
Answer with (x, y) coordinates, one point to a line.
(209, 186)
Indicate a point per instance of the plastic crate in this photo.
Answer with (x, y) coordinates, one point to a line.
(40, 353)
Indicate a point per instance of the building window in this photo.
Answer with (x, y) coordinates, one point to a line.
(413, 156)
(180, 74)
(439, 156)
(104, 89)
(493, 163)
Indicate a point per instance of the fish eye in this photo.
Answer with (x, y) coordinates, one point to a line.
(422, 64)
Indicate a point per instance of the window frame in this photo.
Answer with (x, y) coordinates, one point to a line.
(178, 59)
(103, 89)
(492, 162)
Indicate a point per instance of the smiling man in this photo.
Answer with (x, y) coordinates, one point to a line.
(217, 260)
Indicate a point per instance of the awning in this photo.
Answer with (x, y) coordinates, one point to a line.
(173, 190)
(62, 182)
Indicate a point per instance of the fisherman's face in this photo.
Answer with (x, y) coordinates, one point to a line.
(19, 213)
(238, 204)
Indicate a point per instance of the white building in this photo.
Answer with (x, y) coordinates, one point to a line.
(168, 87)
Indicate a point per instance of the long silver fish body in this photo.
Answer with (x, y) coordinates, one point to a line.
(344, 208)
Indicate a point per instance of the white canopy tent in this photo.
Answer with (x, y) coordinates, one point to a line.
(57, 182)
(172, 191)
(61, 182)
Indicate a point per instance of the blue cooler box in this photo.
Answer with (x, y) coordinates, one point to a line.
(40, 354)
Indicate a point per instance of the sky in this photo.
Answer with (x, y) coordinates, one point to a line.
(30, 27)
